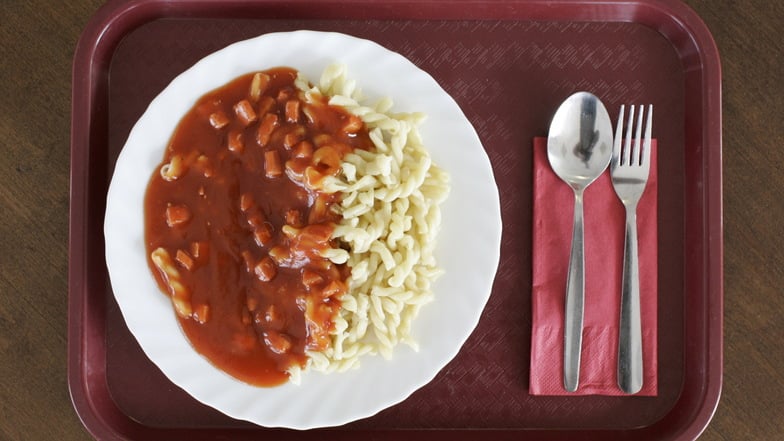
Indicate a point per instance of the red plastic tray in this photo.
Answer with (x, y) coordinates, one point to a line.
(508, 64)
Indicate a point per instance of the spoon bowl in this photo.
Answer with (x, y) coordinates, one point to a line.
(579, 148)
(579, 144)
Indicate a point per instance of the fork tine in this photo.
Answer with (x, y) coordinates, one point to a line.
(646, 146)
(618, 137)
(627, 146)
(636, 154)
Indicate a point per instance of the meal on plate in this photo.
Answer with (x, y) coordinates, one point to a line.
(293, 225)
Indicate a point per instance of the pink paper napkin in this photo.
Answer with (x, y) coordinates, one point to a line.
(604, 235)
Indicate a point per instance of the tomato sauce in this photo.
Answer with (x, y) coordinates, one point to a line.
(238, 214)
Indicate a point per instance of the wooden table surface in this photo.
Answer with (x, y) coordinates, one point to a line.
(38, 38)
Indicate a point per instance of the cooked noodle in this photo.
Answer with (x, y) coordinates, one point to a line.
(390, 220)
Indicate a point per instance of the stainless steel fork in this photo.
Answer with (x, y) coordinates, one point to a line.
(629, 169)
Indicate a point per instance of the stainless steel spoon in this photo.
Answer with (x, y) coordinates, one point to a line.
(579, 148)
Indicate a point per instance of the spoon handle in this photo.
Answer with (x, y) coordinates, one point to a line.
(575, 294)
(630, 334)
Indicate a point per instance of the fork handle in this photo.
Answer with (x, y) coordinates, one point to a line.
(630, 333)
(575, 297)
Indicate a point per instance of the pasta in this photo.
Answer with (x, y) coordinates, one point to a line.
(390, 219)
(179, 294)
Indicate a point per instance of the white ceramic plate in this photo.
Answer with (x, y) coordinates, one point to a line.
(468, 246)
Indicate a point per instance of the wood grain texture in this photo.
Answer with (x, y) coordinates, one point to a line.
(749, 40)
(37, 41)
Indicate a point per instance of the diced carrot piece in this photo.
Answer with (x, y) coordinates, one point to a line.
(310, 113)
(185, 260)
(302, 302)
(268, 124)
(265, 270)
(177, 215)
(318, 232)
(311, 278)
(265, 105)
(200, 250)
(333, 289)
(236, 142)
(273, 318)
(284, 94)
(246, 202)
(294, 218)
(294, 172)
(315, 315)
(263, 234)
(219, 119)
(293, 137)
(245, 113)
(323, 139)
(203, 164)
(248, 259)
(303, 150)
(245, 317)
(251, 303)
(202, 313)
(292, 111)
(318, 211)
(280, 254)
(352, 125)
(277, 342)
(256, 220)
(272, 166)
(333, 272)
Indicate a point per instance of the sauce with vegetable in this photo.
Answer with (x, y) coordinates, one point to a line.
(237, 226)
